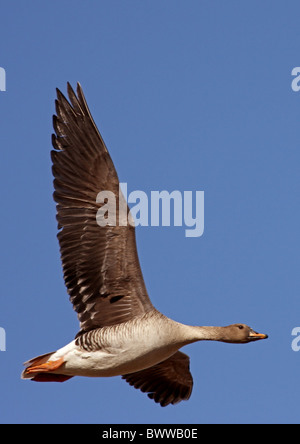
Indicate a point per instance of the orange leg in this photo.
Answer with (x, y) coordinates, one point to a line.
(49, 366)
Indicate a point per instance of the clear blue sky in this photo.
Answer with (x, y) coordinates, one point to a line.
(191, 95)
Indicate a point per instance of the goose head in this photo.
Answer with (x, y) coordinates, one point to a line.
(241, 334)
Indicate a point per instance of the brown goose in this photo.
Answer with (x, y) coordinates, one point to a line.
(121, 333)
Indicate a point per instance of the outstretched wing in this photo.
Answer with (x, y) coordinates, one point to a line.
(168, 382)
(100, 263)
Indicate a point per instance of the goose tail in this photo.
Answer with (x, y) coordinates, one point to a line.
(41, 369)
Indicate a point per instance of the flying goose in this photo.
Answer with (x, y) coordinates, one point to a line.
(121, 333)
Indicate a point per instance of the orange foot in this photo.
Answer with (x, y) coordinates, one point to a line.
(49, 366)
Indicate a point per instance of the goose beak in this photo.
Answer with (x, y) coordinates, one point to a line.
(254, 336)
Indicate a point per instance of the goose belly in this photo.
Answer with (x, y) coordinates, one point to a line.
(114, 358)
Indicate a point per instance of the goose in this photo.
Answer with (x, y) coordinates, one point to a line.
(121, 333)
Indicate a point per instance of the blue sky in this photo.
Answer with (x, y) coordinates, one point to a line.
(189, 95)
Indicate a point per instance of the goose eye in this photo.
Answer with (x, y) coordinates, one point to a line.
(241, 327)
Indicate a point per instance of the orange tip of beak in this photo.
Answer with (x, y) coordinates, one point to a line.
(254, 335)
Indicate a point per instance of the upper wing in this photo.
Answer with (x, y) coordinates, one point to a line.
(168, 382)
(100, 263)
